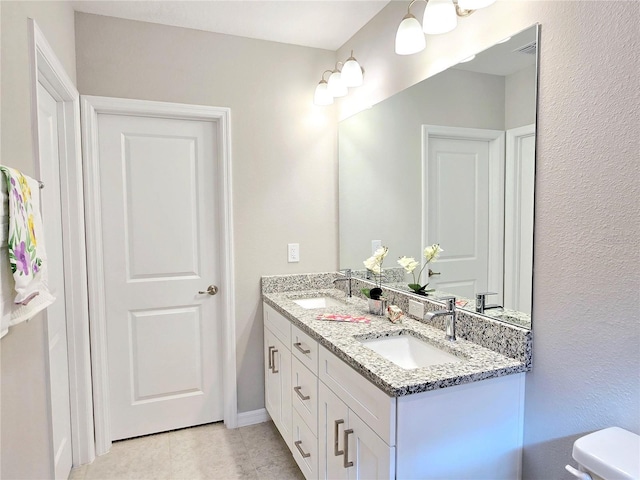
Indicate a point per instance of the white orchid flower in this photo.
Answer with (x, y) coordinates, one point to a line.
(432, 253)
(408, 263)
(380, 253)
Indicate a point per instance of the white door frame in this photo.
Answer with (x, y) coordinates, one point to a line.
(47, 70)
(91, 107)
(496, 139)
(515, 278)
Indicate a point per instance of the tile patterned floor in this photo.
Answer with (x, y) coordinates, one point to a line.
(256, 452)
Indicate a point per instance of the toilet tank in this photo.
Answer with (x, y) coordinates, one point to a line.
(611, 454)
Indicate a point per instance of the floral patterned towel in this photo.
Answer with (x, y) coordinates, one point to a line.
(27, 255)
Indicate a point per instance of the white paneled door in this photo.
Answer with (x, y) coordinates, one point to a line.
(464, 205)
(55, 315)
(160, 243)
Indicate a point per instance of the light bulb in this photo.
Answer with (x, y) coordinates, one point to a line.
(322, 96)
(439, 17)
(336, 86)
(351, 72)
(409, 37)
(474, 4)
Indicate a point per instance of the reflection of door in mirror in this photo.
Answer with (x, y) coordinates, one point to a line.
(463, 207)
(518, 232)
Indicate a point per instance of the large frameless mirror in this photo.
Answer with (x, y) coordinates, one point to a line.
(450, 160)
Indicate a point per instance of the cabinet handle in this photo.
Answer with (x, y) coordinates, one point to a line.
(337, 452)
(298, 345)
(273, 360)
(347, 463)
(302, 396)
(297, 443)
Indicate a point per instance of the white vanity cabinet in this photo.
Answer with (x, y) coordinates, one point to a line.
(339, 425)
(349, 448)
(277, 376)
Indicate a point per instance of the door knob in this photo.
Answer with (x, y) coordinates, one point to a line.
(211, 290)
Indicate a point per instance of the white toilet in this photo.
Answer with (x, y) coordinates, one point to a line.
(609, 454)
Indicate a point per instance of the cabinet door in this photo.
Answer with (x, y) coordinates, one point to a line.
(333, 418)
(372, 458)
(272, 392)
(278, 384)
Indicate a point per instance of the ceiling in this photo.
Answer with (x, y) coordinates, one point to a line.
(320, 24)
(505, 58)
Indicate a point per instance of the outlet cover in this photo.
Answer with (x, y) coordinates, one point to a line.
(416, 309)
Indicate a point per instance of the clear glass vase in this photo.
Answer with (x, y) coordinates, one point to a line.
(377, 307)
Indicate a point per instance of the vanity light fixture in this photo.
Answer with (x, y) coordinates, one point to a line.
(440, 16)
(322, 95)
(344, 76)
(336, 85)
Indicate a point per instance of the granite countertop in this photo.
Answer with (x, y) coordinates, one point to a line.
(341, 338)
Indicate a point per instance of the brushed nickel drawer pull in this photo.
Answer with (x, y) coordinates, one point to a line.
(297, 443)
(302, 396)
(273, 361)
(298, 345)
(271, 358)
(337, 452)
(347, 463)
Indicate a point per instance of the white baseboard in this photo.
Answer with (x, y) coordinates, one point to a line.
(252, 417)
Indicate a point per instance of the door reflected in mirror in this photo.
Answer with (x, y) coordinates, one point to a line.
(450, 160)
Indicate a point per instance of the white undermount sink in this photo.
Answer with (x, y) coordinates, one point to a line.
(318, 302)
(409, 352)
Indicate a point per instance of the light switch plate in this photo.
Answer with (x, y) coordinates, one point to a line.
(293, 252)
(416, 309)
(375, 245)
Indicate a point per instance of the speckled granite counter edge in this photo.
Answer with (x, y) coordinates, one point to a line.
(509, 340)
(491, 332)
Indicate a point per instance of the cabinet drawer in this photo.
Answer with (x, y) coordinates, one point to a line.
(305, 448)
(278, 324)
(304, 394)
(304, 348)
(371, 404)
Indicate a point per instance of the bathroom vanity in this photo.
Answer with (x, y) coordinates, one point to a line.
(346, 411)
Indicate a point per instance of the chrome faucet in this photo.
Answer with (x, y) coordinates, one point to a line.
(450, 313)
(481, 302)
(347, 278)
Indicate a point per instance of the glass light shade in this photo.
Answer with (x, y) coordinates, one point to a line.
(409, 37)
(336, 86)
(439, 17)
(351, 73)
(322, 96)
(474, 4)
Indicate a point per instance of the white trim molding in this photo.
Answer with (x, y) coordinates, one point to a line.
(91, 107)
(47, 70)
(496, 139)
(519, 205)
(253, 417)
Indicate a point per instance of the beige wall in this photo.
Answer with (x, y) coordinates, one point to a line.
(586, 350)
(25, 451)
(283, 147)
(520, 98)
